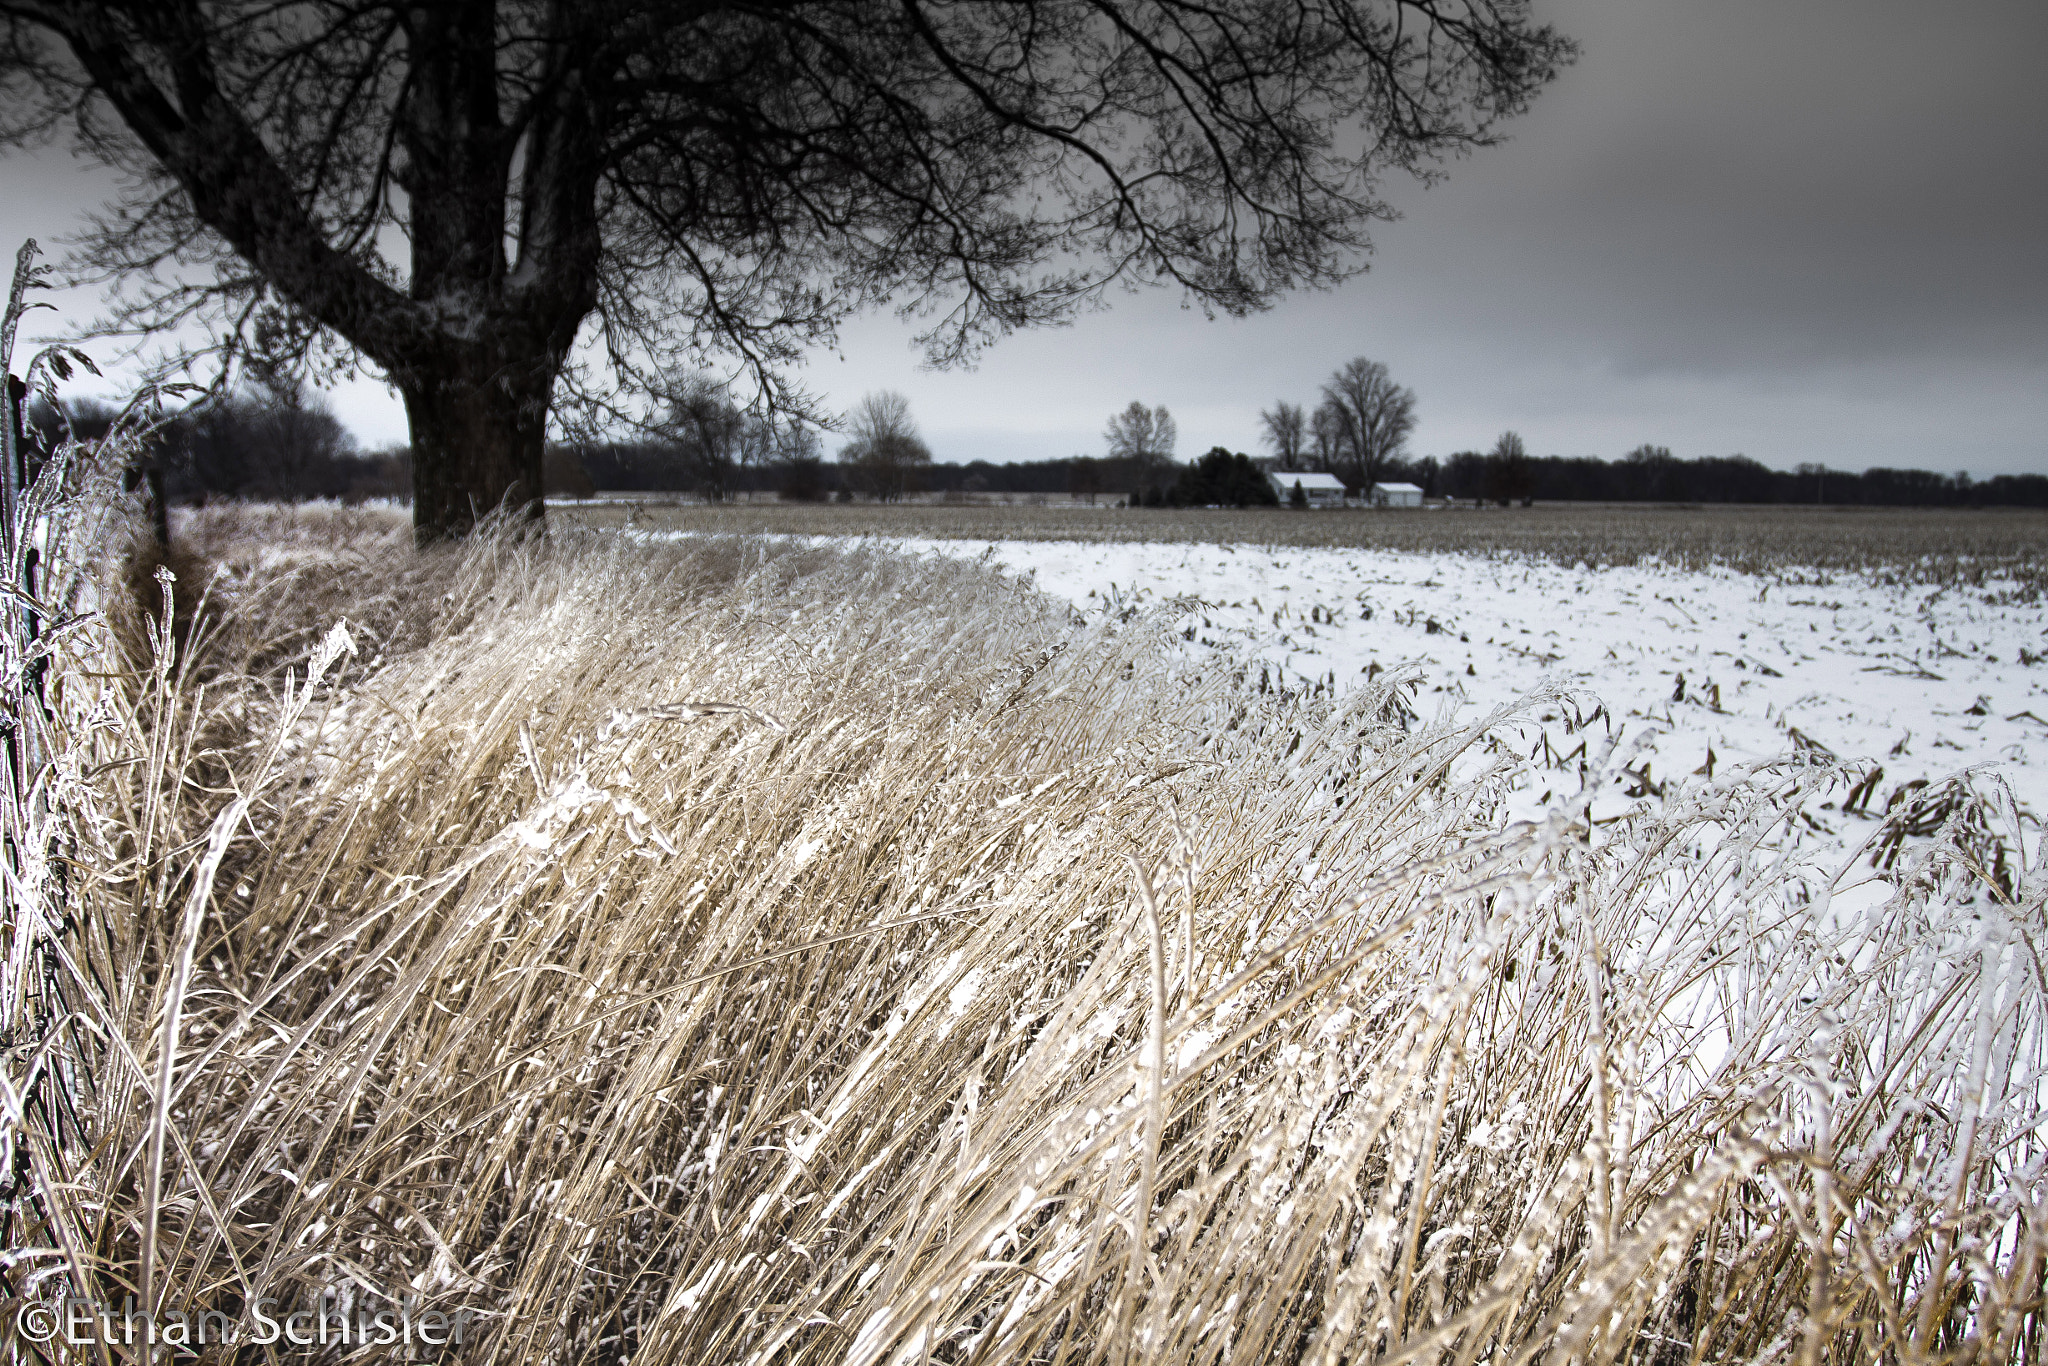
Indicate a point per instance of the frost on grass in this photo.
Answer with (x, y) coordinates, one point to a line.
(755, 952)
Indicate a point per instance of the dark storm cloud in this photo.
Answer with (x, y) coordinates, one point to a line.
(1730, 186)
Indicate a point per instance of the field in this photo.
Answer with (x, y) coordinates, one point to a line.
(1902, 684)
(1915, 544)
(1908, 647)
(701, 947)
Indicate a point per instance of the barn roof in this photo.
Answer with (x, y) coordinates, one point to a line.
(1285, 480)
(1398, 488)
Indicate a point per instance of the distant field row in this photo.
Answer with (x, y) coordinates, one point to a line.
(1922, 544)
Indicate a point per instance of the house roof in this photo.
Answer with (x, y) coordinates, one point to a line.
(1398, 488)
(1285, 480)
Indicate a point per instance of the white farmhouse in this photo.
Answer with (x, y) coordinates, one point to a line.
(1321, 490)
(1396, 495)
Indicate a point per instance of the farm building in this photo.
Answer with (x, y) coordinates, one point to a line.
(1396, 496)
(1322, 490)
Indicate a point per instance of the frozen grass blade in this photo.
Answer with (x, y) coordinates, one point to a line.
(186, 947)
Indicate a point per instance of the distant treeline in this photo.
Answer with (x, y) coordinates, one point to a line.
(1653, 474)
(658, 467)
(1653, 477)
(265, 445)
(285, 444)
(662, 467)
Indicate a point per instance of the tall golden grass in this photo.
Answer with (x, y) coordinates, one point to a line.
(743, 951)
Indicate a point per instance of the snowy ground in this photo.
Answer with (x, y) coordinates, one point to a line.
(1920, 681)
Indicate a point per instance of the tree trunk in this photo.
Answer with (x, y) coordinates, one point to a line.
(479, 429)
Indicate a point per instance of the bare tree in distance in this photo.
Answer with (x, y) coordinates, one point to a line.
(590, 196)
(1145, 437)
(886, 455)
(711, 432)
(1370, 418)
(1508, 476)
(1326, 439)
(1286, 431)
(882, 415)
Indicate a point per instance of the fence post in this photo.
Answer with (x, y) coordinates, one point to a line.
(22, 684)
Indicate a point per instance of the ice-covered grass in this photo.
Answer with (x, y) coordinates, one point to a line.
(729, 950)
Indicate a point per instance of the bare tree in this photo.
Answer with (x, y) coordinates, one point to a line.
(886, 455)
(763, 438)
(1143, 436)
(1326, 439)
(1286, 431)
(1508, 476)
(709, 431)
(1370, 416)
(724, 179)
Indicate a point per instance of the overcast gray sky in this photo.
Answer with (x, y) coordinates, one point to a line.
(1805, 230)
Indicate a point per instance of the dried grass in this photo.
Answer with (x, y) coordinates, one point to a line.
(742, 951)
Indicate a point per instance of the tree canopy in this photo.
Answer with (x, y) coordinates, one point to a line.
(1365, 419)
(1286, 431)
(459, 192)
(886, 453)
(1142, 436)
(1508, 476)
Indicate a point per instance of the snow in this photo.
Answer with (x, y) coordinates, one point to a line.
(1921, 680)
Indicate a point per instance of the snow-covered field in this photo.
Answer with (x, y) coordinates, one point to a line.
(1920, 681)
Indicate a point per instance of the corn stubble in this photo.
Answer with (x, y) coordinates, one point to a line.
(2004, 550)
(745, 952)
